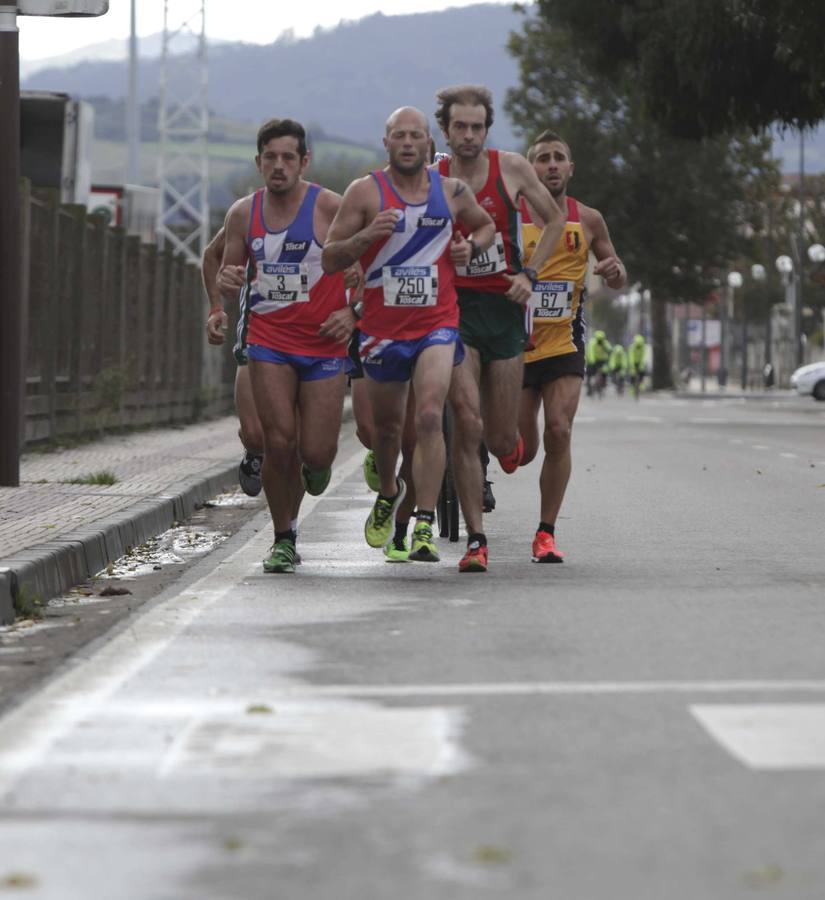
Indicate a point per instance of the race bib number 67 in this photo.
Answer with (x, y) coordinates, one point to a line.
(552, 300)
(410, 285)
(283, 282)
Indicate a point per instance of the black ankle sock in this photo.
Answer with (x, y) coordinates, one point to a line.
(400, 530)
(477, 537)
(389, 499)
(425, 515)
(546, 526)
(285, 536)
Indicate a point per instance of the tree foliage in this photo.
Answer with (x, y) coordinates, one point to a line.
(705, 67)
(674, 207)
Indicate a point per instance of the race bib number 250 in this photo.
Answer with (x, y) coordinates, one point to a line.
(410, 285)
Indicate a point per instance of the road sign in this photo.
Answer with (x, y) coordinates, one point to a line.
(62, 7)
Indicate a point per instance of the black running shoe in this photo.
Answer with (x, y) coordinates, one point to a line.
(249, 474)
(488, 501)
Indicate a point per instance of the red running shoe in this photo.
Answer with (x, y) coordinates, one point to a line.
(544, 549)
(510, 463)
(475, 559)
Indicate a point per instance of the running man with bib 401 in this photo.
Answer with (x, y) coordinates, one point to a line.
(492, 291)
(554, 367)
(399, 223)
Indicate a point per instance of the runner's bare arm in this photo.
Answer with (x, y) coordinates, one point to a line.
(478, 222)
(230, 277)
(217, 321)
(608, 264)
(355, 227)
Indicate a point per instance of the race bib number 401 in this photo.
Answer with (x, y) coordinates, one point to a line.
(552, 300)
(410, 285)
(488, 263)
(283, 282)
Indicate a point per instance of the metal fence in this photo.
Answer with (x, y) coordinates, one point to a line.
(115, 330)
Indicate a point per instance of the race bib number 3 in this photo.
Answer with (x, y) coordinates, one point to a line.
(487, 263)
(552, 300)
(410, 285)
(283, 282)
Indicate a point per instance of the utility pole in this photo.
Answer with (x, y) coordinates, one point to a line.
(132, 106)
(11, 302)
(183, 122)
(799, 274)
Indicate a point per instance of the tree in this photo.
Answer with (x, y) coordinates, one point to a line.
(674, 207)
(706, 67)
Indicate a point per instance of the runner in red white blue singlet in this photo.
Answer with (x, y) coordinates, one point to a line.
(290, 296)
(299, 323)
(400, 224)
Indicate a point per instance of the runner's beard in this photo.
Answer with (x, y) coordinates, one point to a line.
(408, 169)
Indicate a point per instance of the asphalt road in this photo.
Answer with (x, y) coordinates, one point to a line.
(646, 720)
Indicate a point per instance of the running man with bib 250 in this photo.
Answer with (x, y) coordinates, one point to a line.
(399, 224)
(492, 290)
(554, 368)
(296, 368)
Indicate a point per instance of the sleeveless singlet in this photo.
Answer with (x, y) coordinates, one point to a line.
(486, 272)
(289, 295)
(558, 295)
(409, 275)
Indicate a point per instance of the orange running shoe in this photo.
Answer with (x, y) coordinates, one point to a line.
(475, 559)
(544, 549)
(510, 463)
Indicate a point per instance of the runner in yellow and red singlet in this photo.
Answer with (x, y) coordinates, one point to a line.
(554, 367)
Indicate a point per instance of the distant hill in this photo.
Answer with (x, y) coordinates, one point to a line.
(346, 79)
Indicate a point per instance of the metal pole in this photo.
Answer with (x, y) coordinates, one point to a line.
(724, 307)
(799, 268)
(132, 118)
(703, 354)
(11, 301)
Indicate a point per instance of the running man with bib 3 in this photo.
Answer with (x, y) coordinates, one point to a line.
(399, 223)
(296, 368)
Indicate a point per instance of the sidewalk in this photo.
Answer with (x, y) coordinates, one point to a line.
(733, 391)
(54, 535)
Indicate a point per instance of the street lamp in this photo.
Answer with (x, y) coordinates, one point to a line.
(785, 267)
(816, 253)
(734, 281)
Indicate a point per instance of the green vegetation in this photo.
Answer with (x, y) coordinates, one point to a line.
(27, 604)
(103, 477)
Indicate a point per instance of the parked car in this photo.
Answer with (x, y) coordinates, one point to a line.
(810, 380)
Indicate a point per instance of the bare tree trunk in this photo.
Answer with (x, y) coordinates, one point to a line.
(662, 375)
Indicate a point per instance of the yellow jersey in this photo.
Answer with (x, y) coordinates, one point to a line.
(556, 317)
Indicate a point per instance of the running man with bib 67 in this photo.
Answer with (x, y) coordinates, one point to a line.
(554, 368)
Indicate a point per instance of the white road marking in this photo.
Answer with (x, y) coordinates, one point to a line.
(768, 737)
(707, 420)
(654, 420)
(789, 455)
(29, 731)
(760, 447)
(736, 441)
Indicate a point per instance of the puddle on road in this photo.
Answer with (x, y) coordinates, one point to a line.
(170, 548)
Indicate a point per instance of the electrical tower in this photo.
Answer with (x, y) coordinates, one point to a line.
(183, 124)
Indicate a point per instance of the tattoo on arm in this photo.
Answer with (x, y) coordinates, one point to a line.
(459, 188)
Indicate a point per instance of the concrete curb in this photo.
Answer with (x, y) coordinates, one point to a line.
(778, 394)
(51, 568)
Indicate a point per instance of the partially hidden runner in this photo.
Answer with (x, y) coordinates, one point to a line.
(398, 223)
(554, 368)
(249, 431)
(492, 291)
(298, 326)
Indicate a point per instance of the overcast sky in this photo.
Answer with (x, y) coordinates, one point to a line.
(233, 20)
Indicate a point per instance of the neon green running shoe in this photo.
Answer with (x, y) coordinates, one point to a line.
(423, 546)
(315, 483)
(397, 551)
(371, 472)
(281, 559)
(379, 525)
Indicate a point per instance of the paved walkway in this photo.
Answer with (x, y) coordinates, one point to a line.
(54, 534)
